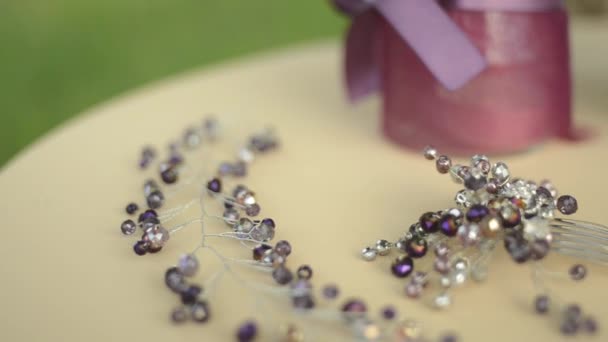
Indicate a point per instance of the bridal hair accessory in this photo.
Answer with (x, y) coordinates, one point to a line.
(240, 221)
(493, 209)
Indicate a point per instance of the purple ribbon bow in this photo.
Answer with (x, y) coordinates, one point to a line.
(424, 25)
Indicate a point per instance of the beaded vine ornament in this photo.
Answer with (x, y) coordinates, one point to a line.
(242, 222)
(492, 208)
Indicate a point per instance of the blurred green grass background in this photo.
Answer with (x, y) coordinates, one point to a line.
(58, 57)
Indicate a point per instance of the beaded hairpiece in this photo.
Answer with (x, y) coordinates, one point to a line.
(493, 208)
(241, 210)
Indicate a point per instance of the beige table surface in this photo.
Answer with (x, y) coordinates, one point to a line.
(335, 186)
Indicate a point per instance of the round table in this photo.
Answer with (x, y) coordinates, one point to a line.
(334, 186)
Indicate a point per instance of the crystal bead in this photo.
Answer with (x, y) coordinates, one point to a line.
(260, 250)
(445, 282)
(192, 138)
(244, 225)
(441, 250)
(245, 155)
(215, 185)
(475, 180)
(430, 153)
(448, 225)
(131, 208)
(577, 272)
(168, 173)
(155, 200)
(247, 332)
(128, 227)
(477, 212)
(179, 315)
(263, 231)
(442, 301)
(500, 172)
(140, 248)
(331, 291)
(175, 281)
(188, 265)
(464, 198)
(416, 247)
(413, 290)
(150, 186)
(283, 248)
(460, 264)
(282, 275)
(455, 174)
(156, 236)
(428, 222)
(253, 210)
(383, 247)
(469, 234)
(567, 205)
(549, 186)
(490, 226)
(443, 164)
(441, 266)
(402, 266)
(231, 217)
(199, 312)
(458, 278)
(369, 253)
(190, 295)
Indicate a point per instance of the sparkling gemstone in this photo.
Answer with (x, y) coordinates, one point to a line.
(215, 185)
(430, 153)
(448, 225)
(282, 275)
(369, 253)
(577, 272)
(416, 247)
(443, 164)
(131, 208)
(199, 312)
(500, 172)
(331, 291)
(477, 212)
(428, 222)
(383, 247)
(402, 266)
(567, 205)
(128, 227)
(188, 265)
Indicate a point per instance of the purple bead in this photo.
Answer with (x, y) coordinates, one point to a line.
(569, 327)
(283, 248)
(448, 338)
(131, 208)
(477, 212)
(590, 325)
(416, 247)
(176, 159)
(169, 175)
(239, 169)
(578, 272)
(282, 275)
(199, 312)
(140, 248)
(331, 291)
(304, 272)
(174, 280)
(247, 332)
(573, 312)
(428, 222)
(541, 304)
(150, 213)
(354, 306)
(567, 205)
(260, 250)
(215, 185)
(225, 169)
(448, 225)
(179, 315)
(402, 266)
(269, 222)
(144, 163)
(252, 210)
(303, 302)
(191, 294)
(155, 200)
(389, 313)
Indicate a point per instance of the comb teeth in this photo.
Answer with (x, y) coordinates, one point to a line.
(580, 239)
